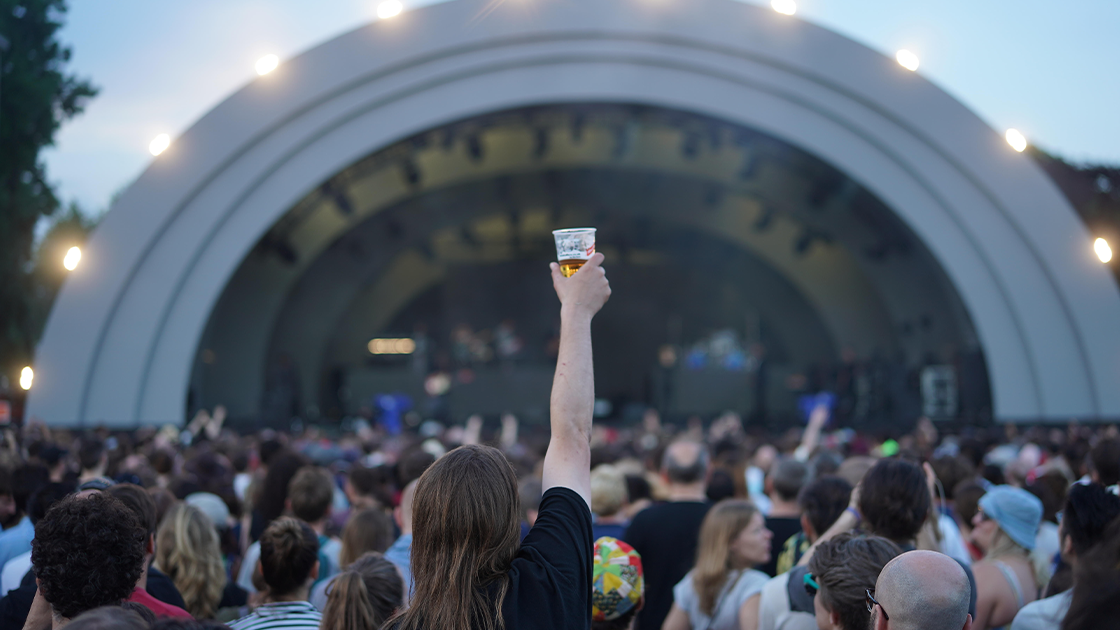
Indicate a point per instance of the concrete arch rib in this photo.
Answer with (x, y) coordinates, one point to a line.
(120, 341)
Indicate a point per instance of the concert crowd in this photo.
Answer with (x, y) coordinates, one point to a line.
(573, 525)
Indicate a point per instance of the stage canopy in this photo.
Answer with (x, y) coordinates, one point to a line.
(746, 171)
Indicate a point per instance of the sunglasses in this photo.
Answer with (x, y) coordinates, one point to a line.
(811, 586)
(872, 603)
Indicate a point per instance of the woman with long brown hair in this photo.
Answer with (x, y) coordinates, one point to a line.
(366, 530)
(363, 596)
(469, 569)
(733, 538)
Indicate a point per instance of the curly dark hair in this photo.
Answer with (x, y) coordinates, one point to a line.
(894, 499)
(88, 552)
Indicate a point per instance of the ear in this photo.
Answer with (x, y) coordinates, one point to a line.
(967, 623)
(807, 527)
(151, 546)
(398, 517)
(315, 571)
(881, 622)
(834, 619)
(1067, 548)
(288, 505)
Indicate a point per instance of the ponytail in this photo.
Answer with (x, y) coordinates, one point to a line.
(348, 606)
(364, 596)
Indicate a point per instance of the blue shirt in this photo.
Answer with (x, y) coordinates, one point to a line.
(400, 554)
(16, 541)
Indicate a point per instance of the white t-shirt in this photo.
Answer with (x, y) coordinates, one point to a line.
(1044, 614)
(952, 542)
(738, 589)
(1047, 544)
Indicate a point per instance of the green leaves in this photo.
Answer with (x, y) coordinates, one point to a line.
(36, 97)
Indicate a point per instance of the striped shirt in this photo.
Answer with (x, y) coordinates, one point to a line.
(286, 615)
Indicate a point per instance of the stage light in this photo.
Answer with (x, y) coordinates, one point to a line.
(26, 377)
(907, 60)
(389, 8)
(785, 7)
(1104, 252)
(73, 256)
(159, 144)
(1016, 139)
(267, 64)
(391, 346)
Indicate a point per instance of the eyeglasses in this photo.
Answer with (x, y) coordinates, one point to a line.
(872, 603)
(983, 517)
(811, 586)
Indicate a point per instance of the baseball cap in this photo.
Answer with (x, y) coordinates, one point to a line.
(212, 506)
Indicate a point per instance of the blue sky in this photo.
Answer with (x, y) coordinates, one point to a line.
(1046, 68)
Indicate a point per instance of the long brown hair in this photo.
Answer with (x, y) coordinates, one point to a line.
(713, 554)
(364, 596)
(187, 551)
(466, 531)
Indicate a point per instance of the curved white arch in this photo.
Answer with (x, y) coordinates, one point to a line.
(119, 344)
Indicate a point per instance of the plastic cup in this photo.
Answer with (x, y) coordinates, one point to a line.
(573, 247)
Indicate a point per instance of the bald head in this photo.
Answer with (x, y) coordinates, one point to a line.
(924, 590)
(685, 462)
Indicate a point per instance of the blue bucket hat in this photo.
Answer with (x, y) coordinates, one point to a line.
(1017, 512)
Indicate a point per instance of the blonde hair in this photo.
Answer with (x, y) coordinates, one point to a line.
(1003, 546)
(721, 526)
(187, 550)
(608, 490)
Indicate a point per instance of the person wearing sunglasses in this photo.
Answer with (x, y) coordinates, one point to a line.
(841, 573)
(1005, 528)
(920, 590)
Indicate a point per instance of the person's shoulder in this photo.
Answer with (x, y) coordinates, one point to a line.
(663, 509)
(753, 579)
(564, 494)
(984, 568)
(563, 502)
(1043, 613)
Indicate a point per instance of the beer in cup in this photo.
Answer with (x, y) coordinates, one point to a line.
(573, 247)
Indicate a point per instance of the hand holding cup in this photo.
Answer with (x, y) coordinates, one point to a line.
(586, 291)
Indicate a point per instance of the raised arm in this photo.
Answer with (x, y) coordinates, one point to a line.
(567, 463)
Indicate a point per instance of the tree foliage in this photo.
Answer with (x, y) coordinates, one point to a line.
(36, 97)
